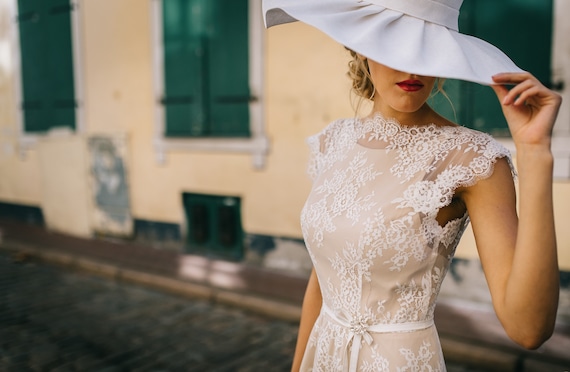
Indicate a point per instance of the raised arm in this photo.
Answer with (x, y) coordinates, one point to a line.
(519, 254)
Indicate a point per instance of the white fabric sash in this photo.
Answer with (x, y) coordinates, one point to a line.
(360, 330)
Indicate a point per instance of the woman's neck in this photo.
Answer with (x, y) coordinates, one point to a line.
(424, 115)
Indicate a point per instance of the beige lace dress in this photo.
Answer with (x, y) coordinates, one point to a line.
(371, 230)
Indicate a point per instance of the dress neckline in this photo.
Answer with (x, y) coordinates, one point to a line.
(379, 132)
(382, 123)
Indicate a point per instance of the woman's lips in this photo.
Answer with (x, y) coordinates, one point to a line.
(410, 85)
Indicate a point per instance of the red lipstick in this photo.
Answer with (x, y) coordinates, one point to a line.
(410, 85)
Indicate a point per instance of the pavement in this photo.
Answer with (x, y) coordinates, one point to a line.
(54, 320)
(70, 304)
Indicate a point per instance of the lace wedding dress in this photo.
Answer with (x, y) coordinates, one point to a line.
(371, 230)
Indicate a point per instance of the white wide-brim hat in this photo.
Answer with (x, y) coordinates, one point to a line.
(415, 36)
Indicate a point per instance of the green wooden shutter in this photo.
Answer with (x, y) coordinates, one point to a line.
(60, 83)
(523, 30)
(34, 48)
(206, 68)
(229, 69)
(46, 64)
(185, 54)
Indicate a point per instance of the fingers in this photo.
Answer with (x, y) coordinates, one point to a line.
(521, 92)
(526, 88)
(512, 77)
(529, 107)
(501, 91)
(525, 96)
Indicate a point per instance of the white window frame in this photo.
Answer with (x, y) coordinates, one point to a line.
(258, 144)
(27, 141)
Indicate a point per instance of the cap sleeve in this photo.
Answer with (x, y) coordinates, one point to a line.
(478, 156)
(462, 158)
(472, 158)
(316, 145)
(315, 155)
(320, 147)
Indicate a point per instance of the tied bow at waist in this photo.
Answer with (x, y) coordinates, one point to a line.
(361, 330)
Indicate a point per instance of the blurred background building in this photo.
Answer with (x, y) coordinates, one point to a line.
(181, 123)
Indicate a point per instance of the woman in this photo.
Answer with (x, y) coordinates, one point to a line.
(394, 191)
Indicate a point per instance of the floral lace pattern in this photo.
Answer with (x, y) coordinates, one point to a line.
(420, 361)
(371, 230)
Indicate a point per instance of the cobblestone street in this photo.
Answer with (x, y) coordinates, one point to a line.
(55, 320)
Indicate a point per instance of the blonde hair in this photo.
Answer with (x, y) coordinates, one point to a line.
(359, 73)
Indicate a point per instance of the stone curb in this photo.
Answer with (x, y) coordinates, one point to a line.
(280, 310)
(268, 307)
(479, 356)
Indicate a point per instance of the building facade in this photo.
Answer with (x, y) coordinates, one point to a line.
(182, 122)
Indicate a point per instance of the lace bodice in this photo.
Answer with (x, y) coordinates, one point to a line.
(371, 230)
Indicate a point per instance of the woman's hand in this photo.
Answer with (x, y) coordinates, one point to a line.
(529, 107)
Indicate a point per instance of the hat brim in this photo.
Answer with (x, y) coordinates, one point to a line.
(396, 40)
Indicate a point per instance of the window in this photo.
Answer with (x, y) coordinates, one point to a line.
(206, 68)
(208, 77)
(48, 91)
(31, 215)
(513, 26)
(214, 225)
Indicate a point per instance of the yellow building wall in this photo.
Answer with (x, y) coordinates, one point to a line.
(119, 99)
(304, 91)
(19, 176)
